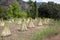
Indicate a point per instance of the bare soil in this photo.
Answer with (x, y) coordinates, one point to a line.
(26, 35)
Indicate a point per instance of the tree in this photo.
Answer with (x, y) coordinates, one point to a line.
(36, 9)
(31, 9)
(23, 14)
(10, 11)
(3, 13)
(16, 9)
(50, 10)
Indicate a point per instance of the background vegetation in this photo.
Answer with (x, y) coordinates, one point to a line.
(48, 10)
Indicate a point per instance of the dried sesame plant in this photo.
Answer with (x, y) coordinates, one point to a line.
(6, 31)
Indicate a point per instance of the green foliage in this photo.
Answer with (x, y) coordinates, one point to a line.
(3, 13)
(33, 9)
(50, 9)
(10, 11)
(23, 14)
(36, 9)
(15, 10)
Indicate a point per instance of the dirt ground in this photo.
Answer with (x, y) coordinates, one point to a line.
(56, 37)
(26, 35)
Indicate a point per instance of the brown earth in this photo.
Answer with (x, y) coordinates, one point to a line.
(56, 37)
(26, 35)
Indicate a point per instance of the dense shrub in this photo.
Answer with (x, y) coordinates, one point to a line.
(50, 9)
(3, 13)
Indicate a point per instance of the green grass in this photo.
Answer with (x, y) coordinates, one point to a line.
(49, 31)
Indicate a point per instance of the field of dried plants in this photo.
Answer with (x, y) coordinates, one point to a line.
(30, 29)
